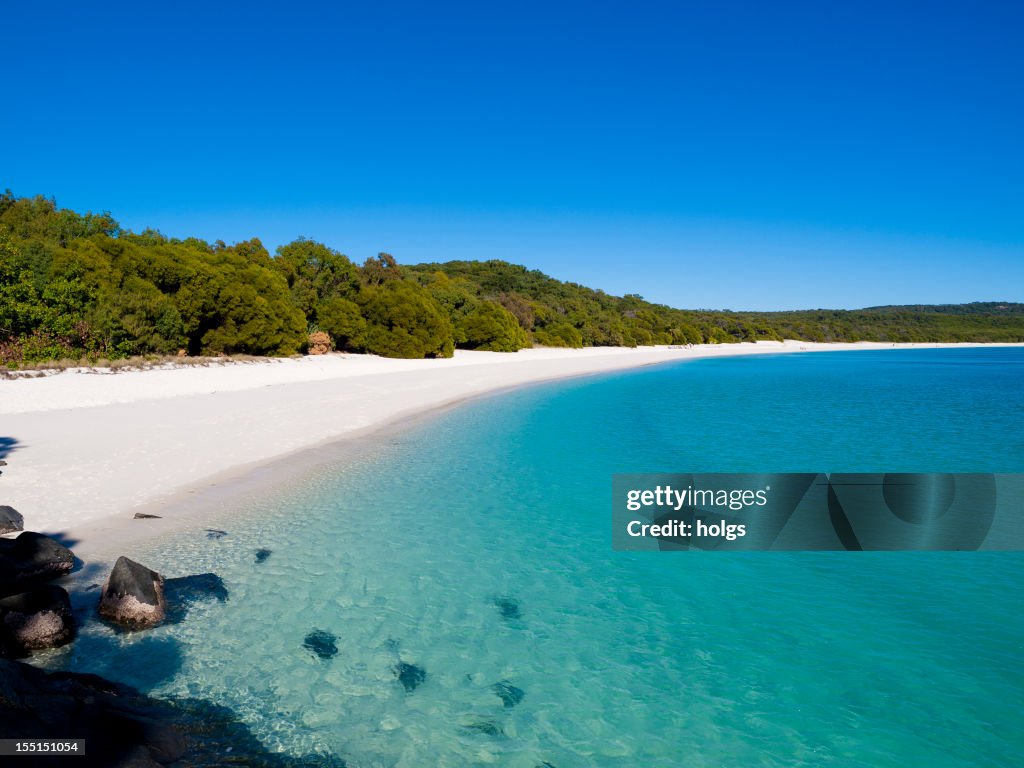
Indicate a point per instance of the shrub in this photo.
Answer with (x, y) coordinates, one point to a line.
(402, 320)
(491, 327)
(342, 319)
(558, 335)
(315, 274)
(319, 343)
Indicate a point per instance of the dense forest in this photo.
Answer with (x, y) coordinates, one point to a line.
(76, 286)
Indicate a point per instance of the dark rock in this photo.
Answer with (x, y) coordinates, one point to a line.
(139, 757)
(213, 533)
(486, 727)
(3, 463)
(508, 607)
(410, 676)
(30, 560)
(322, 643)
(262, 555)
(163, 743)
(508, 693)
(133, 596)
(7, 649)
(123, 728)
(37, 619)
(144, 516)
(11, 520)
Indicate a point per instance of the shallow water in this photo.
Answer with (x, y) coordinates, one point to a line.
(477, 547)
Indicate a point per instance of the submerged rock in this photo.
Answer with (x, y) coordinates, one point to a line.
(322, 643)
(508, 607)
(486, 727)
(32, 559)
(262, 555)
(410, 676)
(508, 693)
(133, 596)
(35, 620)
(214, 533)
(11, 520)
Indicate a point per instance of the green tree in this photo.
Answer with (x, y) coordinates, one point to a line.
(21, 308)
(558, 334)
(491, 327)
(75, 284)
(381, 270)
(402, 320)
(344, 322)
(316, 274)
(136, 318)
(234, 305)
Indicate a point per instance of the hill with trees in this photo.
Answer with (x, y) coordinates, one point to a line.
(79, 286)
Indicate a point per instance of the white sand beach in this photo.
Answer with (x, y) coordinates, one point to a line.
(86, 449)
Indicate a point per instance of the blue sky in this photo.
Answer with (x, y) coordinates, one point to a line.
(737, 155)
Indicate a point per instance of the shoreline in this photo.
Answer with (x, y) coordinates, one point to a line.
(218, 500)
(94, 454)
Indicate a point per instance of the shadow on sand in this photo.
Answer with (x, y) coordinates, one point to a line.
(7, 446)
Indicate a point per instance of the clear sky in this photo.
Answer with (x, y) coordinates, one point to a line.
(762, 155)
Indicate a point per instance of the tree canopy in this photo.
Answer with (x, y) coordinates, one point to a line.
(78, 285)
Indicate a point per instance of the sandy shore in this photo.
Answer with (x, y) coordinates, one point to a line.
(86, 449)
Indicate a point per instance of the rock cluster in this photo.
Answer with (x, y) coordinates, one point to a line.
(33, 614)
(122, 728)
(36, 614)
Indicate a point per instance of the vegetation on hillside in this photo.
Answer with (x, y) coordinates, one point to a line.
(566, 314)
(78, 285)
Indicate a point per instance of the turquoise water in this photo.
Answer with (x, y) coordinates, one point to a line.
(624, 659)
